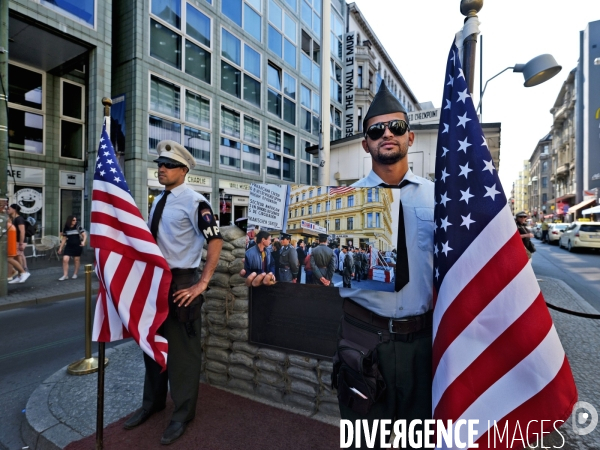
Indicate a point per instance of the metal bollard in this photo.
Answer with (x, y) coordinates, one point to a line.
(87, 364)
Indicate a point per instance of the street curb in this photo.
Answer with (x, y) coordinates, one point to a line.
(581, 302)
(41, 300)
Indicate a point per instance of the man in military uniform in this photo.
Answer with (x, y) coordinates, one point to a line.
(348, 270)
(288, 261)
(322, 262)
(181, 221)
(357, 264)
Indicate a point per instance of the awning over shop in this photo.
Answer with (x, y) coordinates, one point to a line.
(594, 210)
(307, 232)
(583, 204)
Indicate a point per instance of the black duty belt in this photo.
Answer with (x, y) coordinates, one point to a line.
(183, 271)
(405, 325)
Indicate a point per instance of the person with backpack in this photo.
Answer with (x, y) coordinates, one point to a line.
(72, 241)
(14, 211)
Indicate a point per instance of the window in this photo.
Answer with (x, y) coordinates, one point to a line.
(310, 102)
(335, 130)
(359, 119)
(544, 198)
(545, 150)
(72, 122)
(71, 203)
(244, 14)
(182, 44)
(239, 65)
(310, 193)
(25, 109)
(336, 82)
(544, 182)
(166, 121)
(82, 11)
(350, 201)
(240, 141)
(283, 34)
(350, 223)
(327, 205)
(338, 203)
(311, 15)
(372, 195)
(309, 171)
(337, 224)
(369, 220)
(310, 58)
(318, 207)
(310, 209)
(359, 81)
(279, 165)
(337, 35)
(544, 166)
(281, 94)
(302, 211)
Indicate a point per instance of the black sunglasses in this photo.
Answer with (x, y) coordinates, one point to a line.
(397, 127)
(169, 165)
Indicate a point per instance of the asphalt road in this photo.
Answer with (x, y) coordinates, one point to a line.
(36, 342)
(580, 270)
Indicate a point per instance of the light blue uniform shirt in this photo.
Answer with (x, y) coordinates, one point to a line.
(179, 238)
(416, 297)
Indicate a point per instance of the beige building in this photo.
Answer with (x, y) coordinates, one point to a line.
(357, 217)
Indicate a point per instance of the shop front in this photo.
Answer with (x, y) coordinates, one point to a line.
(234, 198)
(26, 188)
(198, 183)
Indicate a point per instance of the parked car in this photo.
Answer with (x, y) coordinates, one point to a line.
(581, 235)
(555, 231)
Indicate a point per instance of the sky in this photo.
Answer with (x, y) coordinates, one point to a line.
(417, 34)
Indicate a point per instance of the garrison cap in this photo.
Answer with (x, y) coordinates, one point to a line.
(173, 152)
(383, 103)
(285, 236)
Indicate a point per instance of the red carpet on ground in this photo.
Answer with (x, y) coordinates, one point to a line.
(223, 421)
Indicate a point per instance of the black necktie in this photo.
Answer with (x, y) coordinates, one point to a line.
(160, 206)
(402, 276)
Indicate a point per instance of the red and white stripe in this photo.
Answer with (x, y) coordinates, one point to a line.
(340, 190)
(496, 353)
(134, 276)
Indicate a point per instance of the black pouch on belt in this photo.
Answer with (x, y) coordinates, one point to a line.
(188, 313)
(356, 376)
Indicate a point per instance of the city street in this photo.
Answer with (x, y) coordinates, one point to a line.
(37, 341)
(580, 270)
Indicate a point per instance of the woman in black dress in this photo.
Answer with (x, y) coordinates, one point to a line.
(74, 237)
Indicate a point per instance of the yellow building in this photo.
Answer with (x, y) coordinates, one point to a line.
(356, 216)
(521, 192)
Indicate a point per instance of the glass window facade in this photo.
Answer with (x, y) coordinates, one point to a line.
(26, 109)
(180, 115)
(279, 165)
(240, 141)
(240, 69)
(186, 46)
(82, 11)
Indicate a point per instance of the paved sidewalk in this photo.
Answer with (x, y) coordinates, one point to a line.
(62, 409)
(43, 285)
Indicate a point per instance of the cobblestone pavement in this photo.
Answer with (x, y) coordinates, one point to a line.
(581, 340)
(43, 285)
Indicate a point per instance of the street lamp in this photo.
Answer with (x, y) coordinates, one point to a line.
(536, 71)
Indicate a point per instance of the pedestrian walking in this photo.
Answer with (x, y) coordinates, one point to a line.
(73, 239)
(19, 273)
(14, 212)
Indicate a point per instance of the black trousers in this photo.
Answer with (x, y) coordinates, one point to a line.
(406, 368)
(182, 376)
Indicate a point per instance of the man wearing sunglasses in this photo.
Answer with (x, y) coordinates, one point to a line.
(397, 326)
(181, 221)
(401, 319)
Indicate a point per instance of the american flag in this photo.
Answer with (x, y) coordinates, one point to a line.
(134, 276)
(496, 353)
(340, 190)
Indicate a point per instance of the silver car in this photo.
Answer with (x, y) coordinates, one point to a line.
(555, 231)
